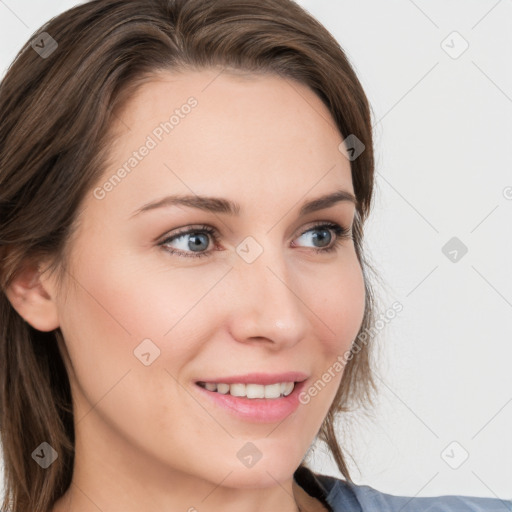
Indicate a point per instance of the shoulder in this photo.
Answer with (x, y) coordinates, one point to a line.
(349, 497)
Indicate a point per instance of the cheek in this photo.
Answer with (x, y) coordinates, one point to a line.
(117, 303)
(135, 298)
(339, 306)
(105, 317)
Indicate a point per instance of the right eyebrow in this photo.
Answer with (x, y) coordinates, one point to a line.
(226, 206)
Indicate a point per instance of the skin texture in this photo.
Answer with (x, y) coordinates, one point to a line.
(146, 439)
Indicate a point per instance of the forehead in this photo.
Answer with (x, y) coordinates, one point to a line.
(226, 134)
(252, 108)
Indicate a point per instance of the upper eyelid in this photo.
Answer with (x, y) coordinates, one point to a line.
(214, 232)
(200, 227)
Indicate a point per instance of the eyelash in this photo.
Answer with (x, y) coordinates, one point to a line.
(341, 233)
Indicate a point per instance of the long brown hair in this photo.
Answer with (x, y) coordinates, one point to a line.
(56, 110)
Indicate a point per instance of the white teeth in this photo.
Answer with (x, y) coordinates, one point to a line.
(221, 388)
(287, 389)
(273, 391)
(255, 390)
(252, 390)
(237, 389)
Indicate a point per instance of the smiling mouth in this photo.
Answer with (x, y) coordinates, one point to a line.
(272, 391)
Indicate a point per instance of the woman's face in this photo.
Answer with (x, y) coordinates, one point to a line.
(147, 314)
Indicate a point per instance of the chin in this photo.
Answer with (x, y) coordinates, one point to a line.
(265, 472)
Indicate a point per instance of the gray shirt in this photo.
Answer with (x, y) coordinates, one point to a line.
(338, 495)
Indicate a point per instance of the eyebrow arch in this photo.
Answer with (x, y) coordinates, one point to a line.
(220, 205)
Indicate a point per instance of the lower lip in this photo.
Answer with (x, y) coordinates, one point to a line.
(257, 410)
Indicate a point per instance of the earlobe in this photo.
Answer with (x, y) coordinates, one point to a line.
(32, 300)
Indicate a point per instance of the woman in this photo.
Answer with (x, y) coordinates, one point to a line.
(141, 370)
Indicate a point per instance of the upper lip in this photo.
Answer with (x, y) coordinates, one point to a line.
(259, 378)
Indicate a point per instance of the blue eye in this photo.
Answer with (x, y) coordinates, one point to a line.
(321, 234)
(197, 239)
(340, 233)
(194, 242)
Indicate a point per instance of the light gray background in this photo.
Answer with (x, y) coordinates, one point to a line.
(443, 131)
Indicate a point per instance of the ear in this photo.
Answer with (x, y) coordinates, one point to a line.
(34, 301)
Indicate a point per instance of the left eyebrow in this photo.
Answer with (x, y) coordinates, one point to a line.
(226, 206)
(326, 201)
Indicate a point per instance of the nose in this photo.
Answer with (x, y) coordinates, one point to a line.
(267, 306)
